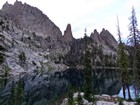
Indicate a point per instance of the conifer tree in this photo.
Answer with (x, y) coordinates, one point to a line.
(12, 96)
(123, 65)
(88, 79)
(5, 75)
(1, 84)
(70, 95)
(134, 40)
(88, 85)
(19, 93)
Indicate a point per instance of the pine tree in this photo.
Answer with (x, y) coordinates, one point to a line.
(42, 69)
(88, 85)
(19, 93)
(88, 74)
(70, 95)
(1, 84)
(22, 58)
(134, 40)
(6, 75)
(12, 96)
(123, 65)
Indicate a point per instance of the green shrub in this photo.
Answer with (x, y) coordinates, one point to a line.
(120, 101)
(50, 68)
(22, 58)
(79, 99)
(137, 101)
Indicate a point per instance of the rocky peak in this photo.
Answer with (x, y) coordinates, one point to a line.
(31, 18)
(104, 39)
(6, 6)
(68, 37)
(95, 36)
(105, 32)
(108, 38)
(96, 32)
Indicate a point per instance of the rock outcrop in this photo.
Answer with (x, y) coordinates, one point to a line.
(25, 52)
(68, 37)
(96, 38)
(106, 40)
(31, 18)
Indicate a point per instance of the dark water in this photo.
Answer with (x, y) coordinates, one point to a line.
(132, 92)
(43, 90)
(105, 81)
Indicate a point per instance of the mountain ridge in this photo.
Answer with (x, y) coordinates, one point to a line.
(26, 16)
(57, 44)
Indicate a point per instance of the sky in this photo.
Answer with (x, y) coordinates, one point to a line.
(89, 14)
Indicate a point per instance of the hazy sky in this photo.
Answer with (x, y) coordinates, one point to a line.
(89, 14)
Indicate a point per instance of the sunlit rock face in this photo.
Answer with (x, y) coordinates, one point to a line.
(31, 18)
(106, 40)
(68, 37)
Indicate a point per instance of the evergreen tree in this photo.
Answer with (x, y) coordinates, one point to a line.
(19, 93)
(12, 96)
(134, 40)
(1, 84)
(70, 95)
(88, 74)
(88, 84)
(123, 65)
(42, 69)
(6, 75)
(22, 58)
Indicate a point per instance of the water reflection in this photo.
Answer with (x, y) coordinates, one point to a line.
(132, 92)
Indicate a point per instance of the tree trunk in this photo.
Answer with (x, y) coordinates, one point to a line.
(129, 95)
(124, 91)
(135, 91)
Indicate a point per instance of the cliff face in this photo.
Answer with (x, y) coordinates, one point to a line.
(106, 40)
(31, 18)
(27, 30)
(68, 37)
(95, 36)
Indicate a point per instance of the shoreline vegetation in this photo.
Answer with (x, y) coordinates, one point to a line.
(103, 99)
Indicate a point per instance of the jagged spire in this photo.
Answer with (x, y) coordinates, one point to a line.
(85, 32)
(68, 37)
